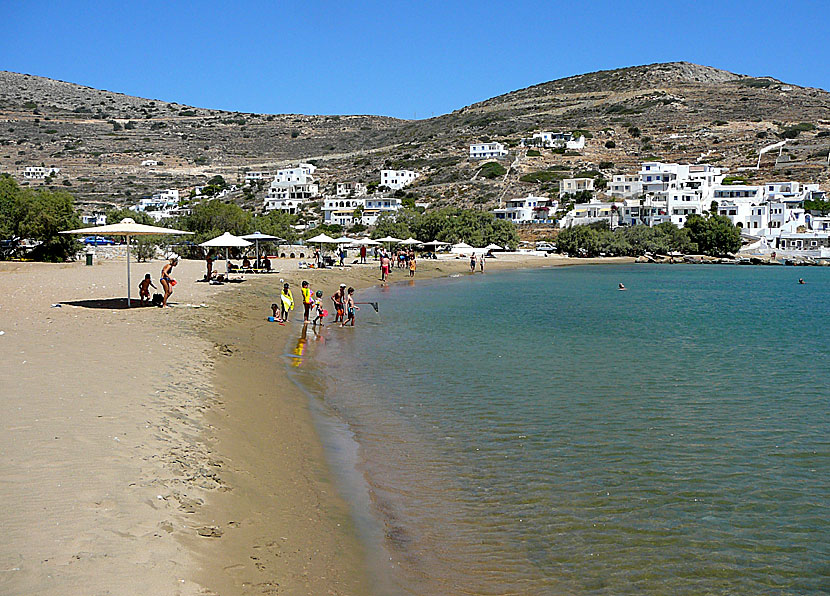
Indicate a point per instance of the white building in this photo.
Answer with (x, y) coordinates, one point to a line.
(341, 210)
(351, 189)
(163, 204)
(593, 211)
(486, 150)
(529, 209)
(397, 179)
(643, 211)
(575, 144)
(94, 219)
(575, 185)
(817, 243)
(625, 186)
(555, 140)
(764, 211)
(682, 189)
(149, 162)
(256, 176)
(39, 172)
(291, 187)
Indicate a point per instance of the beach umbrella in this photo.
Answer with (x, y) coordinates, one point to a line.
(411, 241)
(322, 239)
(257, 236)
(226, 241)
(435, 244)
(389, 239)
(344, 240)
(365, 242)
(491, 246)
(128, 228)
(461, 246)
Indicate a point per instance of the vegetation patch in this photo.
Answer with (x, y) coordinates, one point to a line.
(492, 169)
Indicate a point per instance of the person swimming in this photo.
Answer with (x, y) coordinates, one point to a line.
(801, 280)
(621, 287)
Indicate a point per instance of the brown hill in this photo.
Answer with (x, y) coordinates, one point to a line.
(676, 111)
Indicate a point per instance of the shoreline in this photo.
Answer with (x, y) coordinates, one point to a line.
(141, 419)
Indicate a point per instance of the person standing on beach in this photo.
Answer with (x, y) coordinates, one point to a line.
(307, 301)
(481, 263)
(350, 308)
(209, 264)
(412, 266)
(472, 263)
(166, 279)
(339, 299)
(286, 302)
(363, 254)
(384, 267)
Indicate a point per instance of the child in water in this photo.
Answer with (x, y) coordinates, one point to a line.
(275, 312)
(318, 306)
(286, 302)
(350, 308)
(144, 289)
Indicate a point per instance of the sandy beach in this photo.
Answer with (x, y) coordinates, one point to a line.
(166, 451)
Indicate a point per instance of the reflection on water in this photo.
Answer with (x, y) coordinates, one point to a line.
(298, 352)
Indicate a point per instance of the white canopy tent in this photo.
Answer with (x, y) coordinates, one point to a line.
(435, 244)
(226, 241)
(128, 228)
(257, 236)
(322, 239)
(365, 242)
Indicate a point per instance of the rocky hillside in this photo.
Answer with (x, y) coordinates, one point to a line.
(674, 112)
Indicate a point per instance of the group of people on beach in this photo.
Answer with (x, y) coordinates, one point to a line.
(343, 300)
(402, 259)
(166, 280)
(473, 261)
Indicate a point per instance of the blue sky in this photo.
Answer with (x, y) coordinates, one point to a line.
(403, 59)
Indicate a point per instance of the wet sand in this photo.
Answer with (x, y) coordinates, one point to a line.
(166, 451)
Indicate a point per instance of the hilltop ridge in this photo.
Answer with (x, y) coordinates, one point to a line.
(675, 111)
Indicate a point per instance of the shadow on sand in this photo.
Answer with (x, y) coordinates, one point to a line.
(107, 303)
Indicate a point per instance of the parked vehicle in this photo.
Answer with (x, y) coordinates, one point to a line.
(545, 246)
(97, 241)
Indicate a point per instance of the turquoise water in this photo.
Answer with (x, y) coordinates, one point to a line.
(540, 432)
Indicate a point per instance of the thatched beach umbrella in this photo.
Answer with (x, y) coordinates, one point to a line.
(127, 228)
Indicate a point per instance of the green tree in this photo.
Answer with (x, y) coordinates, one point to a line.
(42, 215)
(277, 223)
(714, 235)
(212, 218)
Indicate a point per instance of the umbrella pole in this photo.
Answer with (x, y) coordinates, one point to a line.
(227, 266)
(256, 265)
(128, 272)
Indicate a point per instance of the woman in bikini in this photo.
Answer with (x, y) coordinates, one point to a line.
(166, 280)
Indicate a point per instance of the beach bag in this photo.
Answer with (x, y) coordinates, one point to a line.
(157, 299)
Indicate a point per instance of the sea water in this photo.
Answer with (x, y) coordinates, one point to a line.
(542, 432)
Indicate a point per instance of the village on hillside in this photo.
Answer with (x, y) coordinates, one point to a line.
(636, 147)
